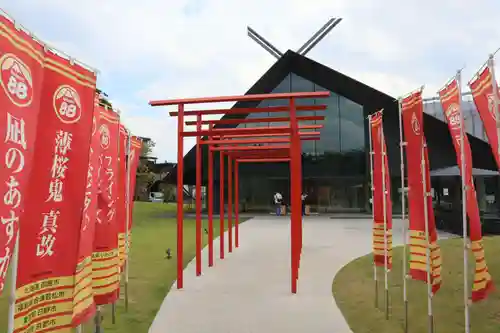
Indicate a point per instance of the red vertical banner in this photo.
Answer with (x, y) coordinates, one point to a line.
(132, 164)
(48, 243)
(416, 153)
(379, 183)
(451, 102)
(21, 76)
(83, 300)
(105, 260)
(121, 207)
(482, 93)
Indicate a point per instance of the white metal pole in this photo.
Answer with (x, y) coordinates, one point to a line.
(491, 67)
(372, 188)
(13, 283)
(404, 222)
(384, 205)
(427, 239)
(98, 319)
(464, 204)
(127, 217)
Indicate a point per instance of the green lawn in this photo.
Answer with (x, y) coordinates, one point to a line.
(151, 275)
(353, 288)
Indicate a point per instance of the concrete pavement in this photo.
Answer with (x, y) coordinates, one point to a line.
(249, 291)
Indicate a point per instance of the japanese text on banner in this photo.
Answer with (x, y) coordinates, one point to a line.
(121, 207)
(48, 243)
(83, 297)
(105, 260)
(21, 74)
(412, 117)
(380, 168)
(451, 102)
(482, 93)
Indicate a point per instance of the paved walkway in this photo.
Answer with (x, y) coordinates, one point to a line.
(249, 291)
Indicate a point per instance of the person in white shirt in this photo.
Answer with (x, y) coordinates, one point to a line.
(278, 201)
(303, 197)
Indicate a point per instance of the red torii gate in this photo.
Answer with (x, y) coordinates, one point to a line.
(218, 141)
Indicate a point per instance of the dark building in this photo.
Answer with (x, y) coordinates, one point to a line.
(336, 168)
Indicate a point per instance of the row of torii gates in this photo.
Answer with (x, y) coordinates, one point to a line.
(271, 144)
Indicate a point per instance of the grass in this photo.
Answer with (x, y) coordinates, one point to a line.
(151, 275)
(353, 289)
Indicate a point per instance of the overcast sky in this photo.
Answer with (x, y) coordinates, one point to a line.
(156, 49)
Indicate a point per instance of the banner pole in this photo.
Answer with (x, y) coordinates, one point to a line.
(13, 283)
(127, 216)
(113, 313)
(427, 239)
(384, 203)
(375, 273)
(491, 67)
(402, 144)
(464, 206)
(98, 319)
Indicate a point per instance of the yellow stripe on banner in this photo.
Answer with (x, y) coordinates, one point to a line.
(103, 281)
(30, 303)
(451, 92)
(104, 264)
(43, 311)
(110, 117)
(46, 325)
(83, 273)
(417, 250)
(479, 285)
(98, 274)
(477, 245)
(45, 64)
(105, 254)
(482, 85)
(381, 236)
(418, 241)
(20, 47)
(29, 48)
(82, 306)
(417, 233)
(418, 266)
(83, 264)
(381, 245)
(69, 76)
(106, 290)
(82, 288)
(382, 252)
(56, 282)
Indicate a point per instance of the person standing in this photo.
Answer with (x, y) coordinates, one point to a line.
(303, 197)
(278, 201)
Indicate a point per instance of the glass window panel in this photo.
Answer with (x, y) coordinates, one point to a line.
(329, 142)
(352, 126)
(299, 84)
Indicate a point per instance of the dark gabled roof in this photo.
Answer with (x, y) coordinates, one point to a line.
(438, 138)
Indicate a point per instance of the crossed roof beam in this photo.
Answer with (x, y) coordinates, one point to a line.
(305, 48)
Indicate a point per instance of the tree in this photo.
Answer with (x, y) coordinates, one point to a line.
(103, 98)
(145, 177)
